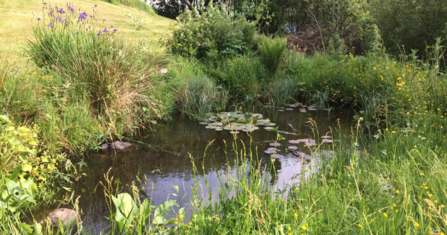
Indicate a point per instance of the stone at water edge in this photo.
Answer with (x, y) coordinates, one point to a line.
(116, 145)
(64, 215)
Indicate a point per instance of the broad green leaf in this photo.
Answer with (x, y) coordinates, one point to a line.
(26, 228)
(37, 229)
(13, 141)
(27, 167)
(159, 220)
(164, 208)
(15, 172)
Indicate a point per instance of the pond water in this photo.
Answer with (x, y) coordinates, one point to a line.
(166, 161)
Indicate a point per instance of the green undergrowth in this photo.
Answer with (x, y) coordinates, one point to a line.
(376, 187)
(84, 84)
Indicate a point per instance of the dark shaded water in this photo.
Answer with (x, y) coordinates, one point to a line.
(167, 163)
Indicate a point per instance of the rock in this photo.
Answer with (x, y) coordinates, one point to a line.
(116, 145)
(64, 215)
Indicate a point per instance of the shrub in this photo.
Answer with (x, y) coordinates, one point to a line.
(216, 32)
(272, 51)
(115, 76)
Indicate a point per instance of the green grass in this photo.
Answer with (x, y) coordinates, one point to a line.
(138, 4)
(18, 17)
(79, 95)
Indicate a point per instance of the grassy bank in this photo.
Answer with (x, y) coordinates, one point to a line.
(17, 18)
(89, 81)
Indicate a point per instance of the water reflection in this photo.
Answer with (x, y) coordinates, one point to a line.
(168, 162)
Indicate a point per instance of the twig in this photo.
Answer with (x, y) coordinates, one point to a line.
(319, 29)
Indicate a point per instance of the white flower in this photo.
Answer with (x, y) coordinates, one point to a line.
(376, 136)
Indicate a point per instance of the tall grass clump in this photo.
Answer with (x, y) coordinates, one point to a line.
(272, 52)
(92, 59)
(200, 95)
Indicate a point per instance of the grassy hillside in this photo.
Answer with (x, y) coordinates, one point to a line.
(18, 16)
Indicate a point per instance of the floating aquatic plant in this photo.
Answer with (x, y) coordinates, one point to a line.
(235, 121)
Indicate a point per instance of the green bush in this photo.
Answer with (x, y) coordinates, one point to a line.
(272, 52)
(216, 32)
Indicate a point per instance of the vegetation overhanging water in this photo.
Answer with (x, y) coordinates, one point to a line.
(388, 175)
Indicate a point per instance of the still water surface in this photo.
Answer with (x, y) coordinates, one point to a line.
(167, 162)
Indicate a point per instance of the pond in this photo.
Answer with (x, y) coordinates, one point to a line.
(164, 160)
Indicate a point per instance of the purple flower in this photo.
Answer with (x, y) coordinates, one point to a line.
(99, 33)
(82, 16)
(51, 25)
(44, 3)
(38, 18)
(115, 30)
(105, 30)
(111, 26)
(61, 11)
(96, 5)
(104, 20)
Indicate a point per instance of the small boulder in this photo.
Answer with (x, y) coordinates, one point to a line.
(116, 145)
(64, 215)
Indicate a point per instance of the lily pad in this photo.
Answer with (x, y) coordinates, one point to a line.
(308, 142)
(203, 123)
(269, 124)
(303, 110)
(268, 128)
(292, 147)
(328, 141)
(277, 156)
(270, 151)
(275, 144)
(325, 137)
